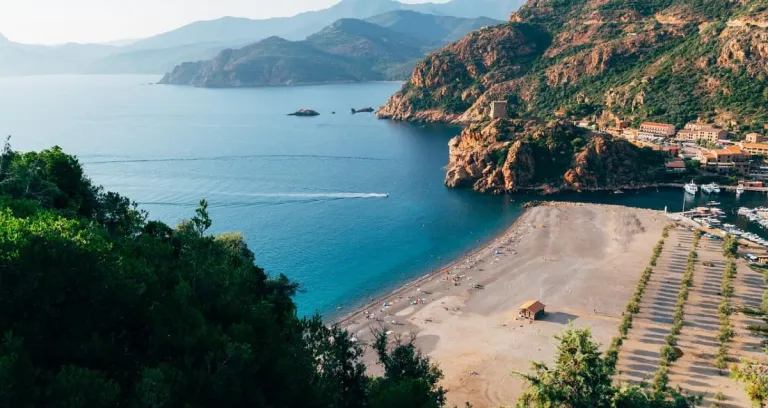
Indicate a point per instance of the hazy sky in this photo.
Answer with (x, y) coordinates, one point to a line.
(61, 21)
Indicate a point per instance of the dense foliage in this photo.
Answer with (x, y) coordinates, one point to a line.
(100, 307)
(581, 378)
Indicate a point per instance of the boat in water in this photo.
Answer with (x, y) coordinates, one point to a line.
(691, 188)
(711, 188)
(713, 203)
(740, 189)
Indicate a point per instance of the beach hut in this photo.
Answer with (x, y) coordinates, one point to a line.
(531, 310)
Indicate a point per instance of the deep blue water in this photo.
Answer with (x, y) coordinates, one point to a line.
(307, 193)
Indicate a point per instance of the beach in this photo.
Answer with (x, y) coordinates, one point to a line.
(581, 260)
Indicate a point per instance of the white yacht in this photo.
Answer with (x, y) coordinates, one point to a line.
(710, 188)
(740, 189)
(691, 188)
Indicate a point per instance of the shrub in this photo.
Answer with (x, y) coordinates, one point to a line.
(626, 324)
(724, 309)
(671, 339)
(660, 380)
(719, 396)
(697, 238)
(668, 353)
(724, 312)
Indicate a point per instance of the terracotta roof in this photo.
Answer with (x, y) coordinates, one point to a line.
(754, 145)
(667, 125)
(533, 306)
(676, 165)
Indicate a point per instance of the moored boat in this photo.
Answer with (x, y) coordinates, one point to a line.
(691, 188)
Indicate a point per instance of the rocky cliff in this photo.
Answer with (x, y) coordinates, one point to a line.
(511, 155)
(666, 60)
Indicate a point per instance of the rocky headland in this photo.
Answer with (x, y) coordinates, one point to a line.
(512, 155)
(554, 62)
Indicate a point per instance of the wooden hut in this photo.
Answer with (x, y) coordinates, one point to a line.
(532, 310)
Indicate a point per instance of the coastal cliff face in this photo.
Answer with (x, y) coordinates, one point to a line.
(670, 60)
(509, 155)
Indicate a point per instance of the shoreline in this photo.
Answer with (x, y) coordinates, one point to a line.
(410, 284)
(579, 259)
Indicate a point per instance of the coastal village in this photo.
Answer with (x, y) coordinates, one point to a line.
(700, 148)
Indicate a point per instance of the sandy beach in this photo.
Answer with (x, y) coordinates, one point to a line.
(581, 260)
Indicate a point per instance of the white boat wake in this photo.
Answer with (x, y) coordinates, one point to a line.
(308, 195)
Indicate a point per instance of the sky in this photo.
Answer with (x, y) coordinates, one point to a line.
(63, 21)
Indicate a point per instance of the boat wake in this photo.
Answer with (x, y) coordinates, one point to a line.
(270, 199)
(312, 196)
(226, 158)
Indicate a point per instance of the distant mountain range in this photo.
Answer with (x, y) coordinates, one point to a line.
(205, 39)
(348, 50)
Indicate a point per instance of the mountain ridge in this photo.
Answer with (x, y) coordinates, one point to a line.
(667, 60)
(202, 40)
(304, 24)
(349, 50)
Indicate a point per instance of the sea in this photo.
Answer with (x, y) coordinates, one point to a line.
(348, 206)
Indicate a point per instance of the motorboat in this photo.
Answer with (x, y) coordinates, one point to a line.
(713, 203)
(691, 188)
(744, 211)
(711, 188)
(740, 189)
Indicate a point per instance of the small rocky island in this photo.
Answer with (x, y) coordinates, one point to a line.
(304, 112)
(363, 110)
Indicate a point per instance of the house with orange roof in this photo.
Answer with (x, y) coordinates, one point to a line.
(757, 149)
(728, 160)
(701, 131)
(654, 129)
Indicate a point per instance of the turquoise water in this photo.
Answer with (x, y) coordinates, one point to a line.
(307, 193)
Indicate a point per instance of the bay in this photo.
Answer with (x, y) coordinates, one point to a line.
(346, 205)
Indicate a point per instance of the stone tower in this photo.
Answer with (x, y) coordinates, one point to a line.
(499, 110)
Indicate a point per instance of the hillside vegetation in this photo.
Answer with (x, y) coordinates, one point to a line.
(101, 307)
(665, 60)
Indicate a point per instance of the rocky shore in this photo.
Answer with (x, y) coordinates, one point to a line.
(507, 156)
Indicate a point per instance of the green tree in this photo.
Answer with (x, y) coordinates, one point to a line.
(754, 376)
(730, 246)
(100, 307)
(202, 221)
(410, 379)
(581, 378)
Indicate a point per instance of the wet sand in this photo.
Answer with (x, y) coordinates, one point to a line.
(581, 260)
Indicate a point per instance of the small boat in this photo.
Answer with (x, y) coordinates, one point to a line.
(740, 189)
(713, 203)
(691, 188)
(618, 192)
(710, 188)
